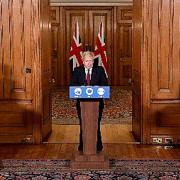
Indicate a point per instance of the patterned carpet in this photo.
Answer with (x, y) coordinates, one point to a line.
(119, 169)
(118, 109)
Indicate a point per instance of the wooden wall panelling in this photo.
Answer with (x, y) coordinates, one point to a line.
(54, 13)
(62, 49)
(5, 47)
(115, 50)
(16, 123)
(37, 70)
(160, 67)
(16, 83)
(54, 53)
(15, 117)
(165, 119)
(164, 69)
(165, 56)
(1, 54)
(143, 26)
(156, 44)
(55, 21)
(58, 46)
(123, 59)
(18, 79)
(41, 55)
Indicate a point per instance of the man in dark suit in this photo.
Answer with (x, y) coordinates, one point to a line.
(89, 76)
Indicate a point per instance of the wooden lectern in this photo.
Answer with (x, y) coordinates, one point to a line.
(89, 158)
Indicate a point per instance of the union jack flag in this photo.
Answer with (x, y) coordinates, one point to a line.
(76, 48)
(100, 49)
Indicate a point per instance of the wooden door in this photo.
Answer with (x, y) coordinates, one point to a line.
(123, 46)
(24, 73)
(16, 111)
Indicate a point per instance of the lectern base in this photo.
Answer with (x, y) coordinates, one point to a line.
(97, 161)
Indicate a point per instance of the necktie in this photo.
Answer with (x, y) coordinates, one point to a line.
(88, 78)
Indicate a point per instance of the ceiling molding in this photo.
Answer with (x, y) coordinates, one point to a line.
(91, 2)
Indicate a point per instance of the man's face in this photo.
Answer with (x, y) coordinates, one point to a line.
(88, 62)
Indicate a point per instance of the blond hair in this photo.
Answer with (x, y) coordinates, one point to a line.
(87, 53)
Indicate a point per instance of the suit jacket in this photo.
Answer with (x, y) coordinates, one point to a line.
(98, 77)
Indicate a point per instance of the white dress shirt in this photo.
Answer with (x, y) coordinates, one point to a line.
(90, 72)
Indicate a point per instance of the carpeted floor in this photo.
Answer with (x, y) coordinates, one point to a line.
(118, 109)
(119, 169)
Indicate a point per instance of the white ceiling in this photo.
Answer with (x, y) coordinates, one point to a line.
(91, 2)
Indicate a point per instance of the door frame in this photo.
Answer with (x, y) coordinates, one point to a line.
(144, 63)
(141, 29)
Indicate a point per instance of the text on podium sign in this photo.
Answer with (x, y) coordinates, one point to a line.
(89, 92)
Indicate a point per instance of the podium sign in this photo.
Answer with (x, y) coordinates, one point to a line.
(89, 157)
(89, 92)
